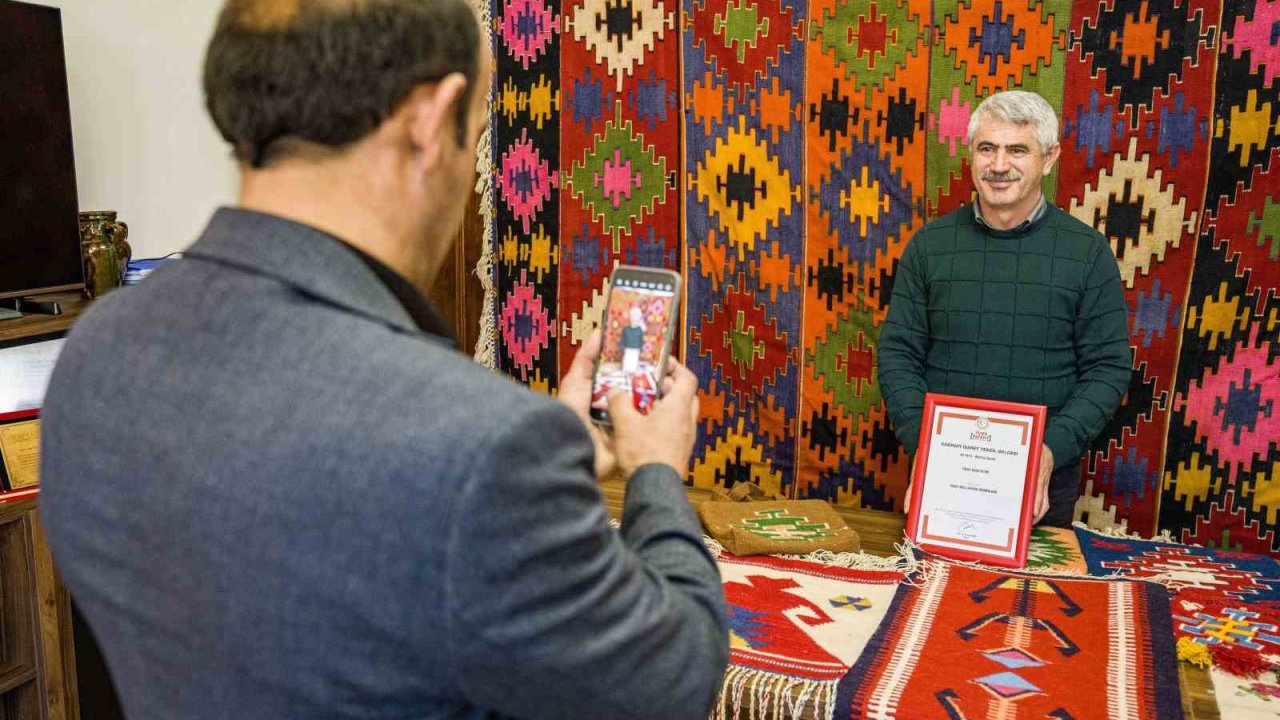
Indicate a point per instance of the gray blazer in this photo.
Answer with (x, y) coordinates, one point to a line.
(272, 496)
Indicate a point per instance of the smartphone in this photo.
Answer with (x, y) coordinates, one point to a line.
(639, 324)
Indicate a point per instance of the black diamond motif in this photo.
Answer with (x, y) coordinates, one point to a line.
(832, 279)
(834, 118)
(821, 429)
(901, 121)
(740, 188)
(621, 21)
(1125, 219)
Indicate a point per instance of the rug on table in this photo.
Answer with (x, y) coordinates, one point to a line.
(966, 642)
(1247, 698)
(795, 629)
(1219, 597)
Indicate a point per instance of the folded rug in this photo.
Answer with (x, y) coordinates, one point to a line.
(792, 527)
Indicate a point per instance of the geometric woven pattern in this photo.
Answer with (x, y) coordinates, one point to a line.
(526, 166)
(797, 626)
(780, 155)
(1220, 597)
(619, 149)
(966, 642)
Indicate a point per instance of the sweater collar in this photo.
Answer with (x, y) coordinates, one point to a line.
(1038, 214)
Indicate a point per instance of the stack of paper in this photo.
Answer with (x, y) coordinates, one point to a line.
(139, 269)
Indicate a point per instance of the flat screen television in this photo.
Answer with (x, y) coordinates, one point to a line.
(39, 226)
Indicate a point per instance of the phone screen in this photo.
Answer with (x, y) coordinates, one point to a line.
(635, 340)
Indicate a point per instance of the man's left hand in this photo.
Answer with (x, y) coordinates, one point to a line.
(575, 391)
(1042, 483)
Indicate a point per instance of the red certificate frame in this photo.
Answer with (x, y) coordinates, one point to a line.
(937, 410)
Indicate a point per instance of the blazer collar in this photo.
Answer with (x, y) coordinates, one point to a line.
(311, 261)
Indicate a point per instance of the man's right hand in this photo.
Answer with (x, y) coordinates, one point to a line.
(665, 435)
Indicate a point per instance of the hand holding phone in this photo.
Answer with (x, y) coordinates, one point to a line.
(575, 393)
(665, 435)
(639, 324)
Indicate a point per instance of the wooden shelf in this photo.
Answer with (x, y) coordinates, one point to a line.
(37, 649)
(14, 675)
(73, 303)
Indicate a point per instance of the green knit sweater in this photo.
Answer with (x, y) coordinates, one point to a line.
(1032, 315)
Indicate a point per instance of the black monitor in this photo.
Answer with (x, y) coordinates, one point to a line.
(39, 227)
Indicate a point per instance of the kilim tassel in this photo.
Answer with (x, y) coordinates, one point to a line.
(1194, 653)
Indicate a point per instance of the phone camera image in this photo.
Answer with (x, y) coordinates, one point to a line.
(635, 343)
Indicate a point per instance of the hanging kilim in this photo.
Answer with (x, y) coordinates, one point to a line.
(526, 156)
(972, 643)
(1136, 119)
(620, 148)
(1222, 471)
(744, 71)
(781, 154)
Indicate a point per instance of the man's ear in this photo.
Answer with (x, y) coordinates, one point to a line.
(1050, 158)
(433, 114)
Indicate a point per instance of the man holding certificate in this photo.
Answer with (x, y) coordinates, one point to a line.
(1008, 300)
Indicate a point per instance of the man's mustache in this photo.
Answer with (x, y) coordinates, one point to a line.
(1010, 176)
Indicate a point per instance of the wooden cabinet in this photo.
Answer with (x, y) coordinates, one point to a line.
(37, 657)
(37, 664)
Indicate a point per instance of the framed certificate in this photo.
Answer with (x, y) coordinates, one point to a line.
(19, 454)
(973, 489)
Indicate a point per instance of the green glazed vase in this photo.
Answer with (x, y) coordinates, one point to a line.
(105, 249)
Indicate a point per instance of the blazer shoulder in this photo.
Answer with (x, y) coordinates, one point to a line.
(478, 396)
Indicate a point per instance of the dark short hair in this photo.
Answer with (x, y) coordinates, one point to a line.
(329, 72)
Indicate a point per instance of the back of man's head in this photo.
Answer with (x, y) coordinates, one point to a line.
(285, 77)
(1020, 108)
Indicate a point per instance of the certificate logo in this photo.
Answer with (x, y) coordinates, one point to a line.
(981, 433)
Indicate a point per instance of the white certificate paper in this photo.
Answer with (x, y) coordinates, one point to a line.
(973, 494)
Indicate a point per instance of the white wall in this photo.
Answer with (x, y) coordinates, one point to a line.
(144, 145)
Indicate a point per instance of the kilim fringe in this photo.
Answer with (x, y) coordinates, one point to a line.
(1237, 661)
(750, 694)
(487, 341)
(860, 560)
(1164, 537)
(923, 567)
(1046, 572)
(903, 562)
(1170, 580)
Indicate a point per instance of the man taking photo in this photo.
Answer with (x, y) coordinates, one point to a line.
(275, 487)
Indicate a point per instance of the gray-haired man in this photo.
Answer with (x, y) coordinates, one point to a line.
(1012, 299)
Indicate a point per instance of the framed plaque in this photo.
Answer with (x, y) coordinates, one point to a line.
(974, 482)
(19, 454)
